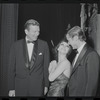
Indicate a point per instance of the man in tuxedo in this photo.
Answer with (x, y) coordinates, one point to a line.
(84, 77)
(28, 64)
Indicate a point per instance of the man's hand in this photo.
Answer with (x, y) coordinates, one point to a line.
(45, 90)
(11, 93)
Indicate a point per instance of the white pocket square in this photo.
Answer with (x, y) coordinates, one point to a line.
(40, 53)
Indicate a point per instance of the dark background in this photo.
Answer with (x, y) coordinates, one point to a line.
(53, 19)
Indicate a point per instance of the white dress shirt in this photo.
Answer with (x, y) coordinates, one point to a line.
(79, 50)
(30, 48)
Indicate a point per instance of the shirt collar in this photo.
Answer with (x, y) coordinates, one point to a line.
(27, 39)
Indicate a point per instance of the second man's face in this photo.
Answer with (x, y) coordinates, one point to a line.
(71, 41)
(33, 32)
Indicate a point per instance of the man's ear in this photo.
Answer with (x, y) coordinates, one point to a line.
(26, 31)
(75, 37)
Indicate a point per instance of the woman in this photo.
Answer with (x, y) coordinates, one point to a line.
(59, 71)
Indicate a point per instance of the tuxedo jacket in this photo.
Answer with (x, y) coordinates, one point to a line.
(28, 82)
(84, 77)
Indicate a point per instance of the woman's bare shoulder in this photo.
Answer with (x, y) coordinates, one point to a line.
(65, 62)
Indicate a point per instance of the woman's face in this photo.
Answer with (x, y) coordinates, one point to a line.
(63, 47)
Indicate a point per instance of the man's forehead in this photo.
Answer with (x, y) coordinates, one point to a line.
(34, 27)
(63, 42)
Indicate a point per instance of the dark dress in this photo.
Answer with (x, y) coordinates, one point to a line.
(58, 85)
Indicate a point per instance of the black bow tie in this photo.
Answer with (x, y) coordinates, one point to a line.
(30, 41)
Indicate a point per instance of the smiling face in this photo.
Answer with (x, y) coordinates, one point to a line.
(32, 32)
(63, 48)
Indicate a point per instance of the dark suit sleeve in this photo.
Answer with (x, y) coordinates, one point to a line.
(11, 69)
(46, 64)
(92, 74)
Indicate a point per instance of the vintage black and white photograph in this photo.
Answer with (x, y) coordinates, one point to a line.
(50, 49)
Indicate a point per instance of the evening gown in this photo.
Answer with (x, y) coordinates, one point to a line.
(57, 87)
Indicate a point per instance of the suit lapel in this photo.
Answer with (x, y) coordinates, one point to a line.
(79, 58)
(34, 55)
(25, 53)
